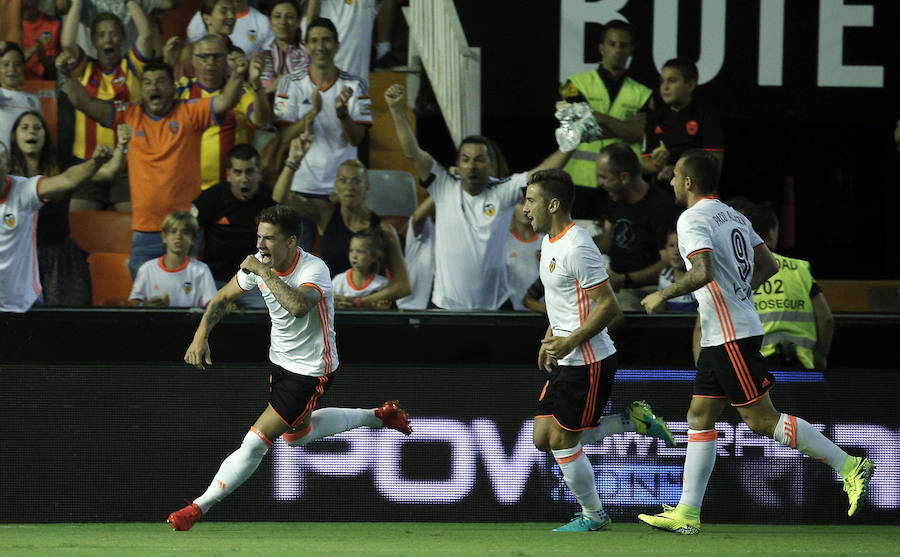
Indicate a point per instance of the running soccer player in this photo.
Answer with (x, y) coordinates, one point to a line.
(296, 287)
(727, 261)
(577, 351)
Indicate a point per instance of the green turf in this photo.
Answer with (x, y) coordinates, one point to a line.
(264, 539)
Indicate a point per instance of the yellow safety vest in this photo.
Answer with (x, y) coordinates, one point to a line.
(786, 311)
(582, 167)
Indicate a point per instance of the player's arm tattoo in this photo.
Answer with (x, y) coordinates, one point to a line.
(700, 274)
(298, 301)
(215, 312)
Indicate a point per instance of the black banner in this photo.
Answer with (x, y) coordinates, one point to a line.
(127, 442)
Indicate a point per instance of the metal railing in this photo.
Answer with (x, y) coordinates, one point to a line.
(454, 68)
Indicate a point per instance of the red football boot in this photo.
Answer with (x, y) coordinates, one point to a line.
(393, 417)
(185, 518)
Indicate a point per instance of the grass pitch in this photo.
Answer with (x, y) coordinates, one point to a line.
(438, 539)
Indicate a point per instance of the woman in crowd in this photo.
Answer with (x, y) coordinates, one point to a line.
(286, 54)
(14, 100)
(219, 18)
(338, 220)
(63, 268)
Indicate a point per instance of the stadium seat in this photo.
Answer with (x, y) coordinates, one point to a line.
(110, 278)
(392, 193)
(101, 231)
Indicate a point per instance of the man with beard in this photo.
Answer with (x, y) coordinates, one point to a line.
(164, 156)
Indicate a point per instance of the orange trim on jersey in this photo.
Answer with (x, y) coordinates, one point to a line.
(365, 284)
(322, 311)
(327, 87)
(293, 266)
(711, 196)
(722, 311)
(181, 267)
(570, 458)
(709, 396)
(297, 435)
(238, 283)
(314, 286)
(759, 244)
(283, 96)
(708, 435)
(713, 150)
(533, 238)
(584, 307)
(598, 285)
(8, 189)
(563, 233)
(696, 251)
(37, 188)
(243, 13)
(261, 435)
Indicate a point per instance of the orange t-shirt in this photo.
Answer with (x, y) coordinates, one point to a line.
(163, 158)
(45, 30)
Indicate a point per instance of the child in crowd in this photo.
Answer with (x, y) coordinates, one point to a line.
(175, 279)
(362, 278)
(673, 273)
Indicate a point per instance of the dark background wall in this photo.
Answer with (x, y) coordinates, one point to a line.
(836, 142)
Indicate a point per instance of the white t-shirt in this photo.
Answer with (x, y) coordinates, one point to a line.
(20, 282)
(344, 287)
(680, 303)
(303, 345)
(330, 148)
(190, 285)
(355, 22)
(727, 312)
(252, 32)
(571, 265)
(12, 104)
(470, 240)
(419, 256)
(523, 256)
(92, 8)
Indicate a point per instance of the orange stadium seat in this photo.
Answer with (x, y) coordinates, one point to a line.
(101, 231)
(110, 278)
(46, 92)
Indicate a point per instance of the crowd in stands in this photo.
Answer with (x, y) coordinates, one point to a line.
(264, 102)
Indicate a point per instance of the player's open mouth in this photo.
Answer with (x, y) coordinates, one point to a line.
(31, 141)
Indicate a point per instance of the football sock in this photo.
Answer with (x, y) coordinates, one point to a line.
(609, 425)
(579, 476)
(698, 465)
(235, 469)
(330, 421)
(799, 434)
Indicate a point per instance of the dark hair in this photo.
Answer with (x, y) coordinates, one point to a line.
(480, 140)
(622, 158)
(375, 241)
(48, 164)
(740, 204)
(10, 46)
(159, 66)
(286, 219)
(207, 6)
(763, 219)
(703, 167)
(556, 183)
(298, 34)
(243, 152)
(620, 25)
(322, 22)
(685, 66)
(107, 16)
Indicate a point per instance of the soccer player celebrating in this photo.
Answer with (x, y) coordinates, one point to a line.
(297, 289)
(577, 351)
(727, 261)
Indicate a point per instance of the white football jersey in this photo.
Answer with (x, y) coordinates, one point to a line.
(252, 32)
(190, 285)
(571, 265)
(330, 148)
(20, 282)
(470, 240)
(303, 345)
(726, 305)
(523, 256)
(343, 286)
(419, 255)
